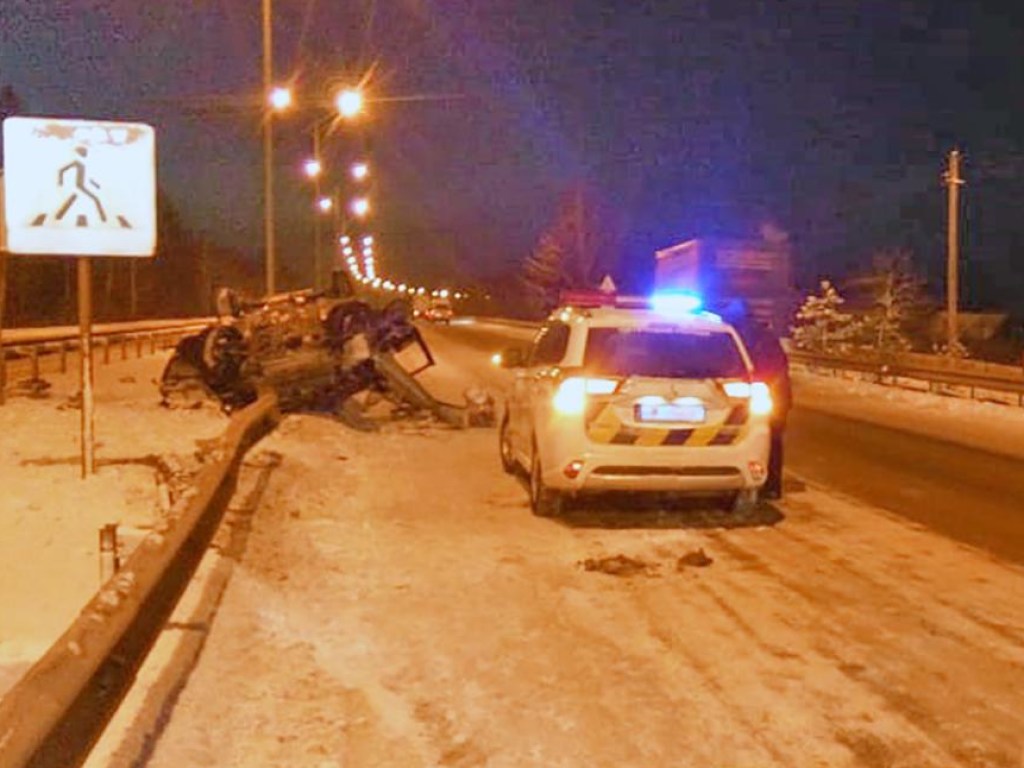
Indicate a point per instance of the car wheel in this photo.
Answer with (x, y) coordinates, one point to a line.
(544, 501)
(745, 502)
(508, 459)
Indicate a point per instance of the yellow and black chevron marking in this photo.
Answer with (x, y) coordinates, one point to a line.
(604, 426)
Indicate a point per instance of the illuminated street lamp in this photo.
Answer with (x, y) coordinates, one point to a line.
(368, 240)
(360, 206)
(280, 98)
(312, 167)
(359, 171)
(325, 204)
(349, 103)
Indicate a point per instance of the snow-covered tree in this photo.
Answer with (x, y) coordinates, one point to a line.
(821, 326)
(897, 297)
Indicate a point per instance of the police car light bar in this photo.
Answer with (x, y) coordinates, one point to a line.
(676, 303)
(679, 304)
(587, 299)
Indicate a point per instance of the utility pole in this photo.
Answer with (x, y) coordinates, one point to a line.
(316, 208)
(953, 182)
(268, 149)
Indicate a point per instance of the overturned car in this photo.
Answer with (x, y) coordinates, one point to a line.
(316, 350)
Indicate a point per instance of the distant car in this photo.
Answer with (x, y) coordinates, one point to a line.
(625, 394)
(439, 311)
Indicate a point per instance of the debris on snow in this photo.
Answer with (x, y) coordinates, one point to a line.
(619, 565)
(695, 559)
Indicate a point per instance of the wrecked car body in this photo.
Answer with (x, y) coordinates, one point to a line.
(316, 350)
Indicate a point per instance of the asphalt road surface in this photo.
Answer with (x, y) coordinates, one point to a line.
(973, 496)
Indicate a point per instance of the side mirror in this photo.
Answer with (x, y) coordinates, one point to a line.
(512, 357)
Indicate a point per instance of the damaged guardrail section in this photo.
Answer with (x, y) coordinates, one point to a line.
(55, 714)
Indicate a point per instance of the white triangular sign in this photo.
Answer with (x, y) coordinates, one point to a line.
(608, 285)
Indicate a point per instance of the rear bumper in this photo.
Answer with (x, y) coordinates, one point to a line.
(699, 469)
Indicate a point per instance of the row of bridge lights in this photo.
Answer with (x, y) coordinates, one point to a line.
(369, 276)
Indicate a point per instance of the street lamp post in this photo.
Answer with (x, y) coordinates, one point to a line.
(316, 197)
(268, 150)
(348, 105)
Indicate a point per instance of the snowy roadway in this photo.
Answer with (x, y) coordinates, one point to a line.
(392, 602)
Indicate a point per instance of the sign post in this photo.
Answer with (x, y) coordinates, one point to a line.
(3, 306)
(80, 188)
(3, 294)
(85, 346)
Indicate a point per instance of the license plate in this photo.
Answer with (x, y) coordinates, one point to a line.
(692, 413)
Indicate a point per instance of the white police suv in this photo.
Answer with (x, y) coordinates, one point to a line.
(632, 394)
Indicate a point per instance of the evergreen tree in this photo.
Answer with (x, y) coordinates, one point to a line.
(820, 324)
(897, 298)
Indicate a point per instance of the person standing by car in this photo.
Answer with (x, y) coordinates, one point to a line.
(771, 365)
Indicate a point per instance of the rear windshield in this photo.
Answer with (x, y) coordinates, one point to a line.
(664, 354)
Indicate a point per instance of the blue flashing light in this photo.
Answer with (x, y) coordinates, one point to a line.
(676, 303)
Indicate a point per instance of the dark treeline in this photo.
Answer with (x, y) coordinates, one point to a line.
(180, 280)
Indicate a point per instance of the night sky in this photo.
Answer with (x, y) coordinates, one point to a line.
(831, 119)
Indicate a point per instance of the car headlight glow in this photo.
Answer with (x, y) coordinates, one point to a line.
(737, 388)
(571, 395)
(760, 399)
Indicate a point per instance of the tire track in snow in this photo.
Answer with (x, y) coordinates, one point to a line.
(928, 669)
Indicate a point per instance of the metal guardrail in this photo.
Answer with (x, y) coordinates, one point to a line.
(36, 344)
(973, 380)
(55, 714)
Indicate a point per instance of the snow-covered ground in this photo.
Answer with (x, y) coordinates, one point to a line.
(392, 602)
(50, 517)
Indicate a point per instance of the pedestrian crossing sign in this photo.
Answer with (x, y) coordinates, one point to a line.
(79, 188)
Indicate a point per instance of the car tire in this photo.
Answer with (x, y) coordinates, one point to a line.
(745, 502)
(508, 459)
(544, 501)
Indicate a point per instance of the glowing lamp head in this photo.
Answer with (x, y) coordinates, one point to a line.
(280, 98)
(312, 167)
(360, 206)
(349, 103)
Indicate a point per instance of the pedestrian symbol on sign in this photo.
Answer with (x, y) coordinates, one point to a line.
(80, 201)
(78, 187)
